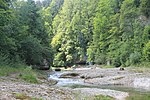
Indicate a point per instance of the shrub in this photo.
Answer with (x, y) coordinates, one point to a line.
(4, 59)
(145, 7)
(135, 58)
(116, 62)
(100, 59)
(33, 52)
(29, 78)
(146, 51)
(28, 75)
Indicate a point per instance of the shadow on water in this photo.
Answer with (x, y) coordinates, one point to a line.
(134, 93)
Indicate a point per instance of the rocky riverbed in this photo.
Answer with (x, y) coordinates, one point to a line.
(13, 89)
(26, 91)
(113, 76)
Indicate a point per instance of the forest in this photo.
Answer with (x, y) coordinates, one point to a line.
(68, 32)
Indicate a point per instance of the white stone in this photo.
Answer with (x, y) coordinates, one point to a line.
(142, 83)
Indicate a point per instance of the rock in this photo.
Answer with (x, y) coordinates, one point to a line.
(52, 81)
(69, 75)
(121, 69)
(6, 96)
(57, 69)
(142, 83)
(118, 95)
(42, 91)
(82, 76)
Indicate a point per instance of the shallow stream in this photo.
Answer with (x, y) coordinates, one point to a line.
(135, 93)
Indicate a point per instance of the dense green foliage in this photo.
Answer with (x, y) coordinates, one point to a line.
(66, 32)
(24, 39)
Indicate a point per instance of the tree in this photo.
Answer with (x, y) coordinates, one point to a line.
(34, 45)
(8, 45)
(145, 7)
(129, 13)
(101, 26)
(72, 28)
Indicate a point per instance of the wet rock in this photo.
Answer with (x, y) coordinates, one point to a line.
(82, 76)
(121, 68)
(69, 75)
(57, 69)
(52, 81)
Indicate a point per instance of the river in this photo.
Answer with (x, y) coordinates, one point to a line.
(74, 83)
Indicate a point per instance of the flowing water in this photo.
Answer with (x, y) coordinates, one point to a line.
(135, 93)
(65, 81)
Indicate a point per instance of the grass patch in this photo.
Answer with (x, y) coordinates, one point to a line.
(106, 66)
(80, 96)
(24, 97)
(141, 65)
(102, 97)
(7, 70)
(144, 64)
(29, 78)
(29, 75)
(140, 69)
(141, 96)
(25, 73)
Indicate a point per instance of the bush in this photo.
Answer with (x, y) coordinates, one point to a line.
(135, 58)
(29, 78)
(90, 54)
(28, 75)
(144, 64)
(146, 51)
(116, 62)
(146, 35)
(34, 53)
(145, 7)
(59, 60)
(100, 59)
(6, 70)
(4, 59)
(31, 50)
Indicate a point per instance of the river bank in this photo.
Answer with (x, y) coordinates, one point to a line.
(26, 91)
(24, 83)
(11, 90)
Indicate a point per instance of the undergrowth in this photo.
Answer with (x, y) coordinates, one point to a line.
(23, 72)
